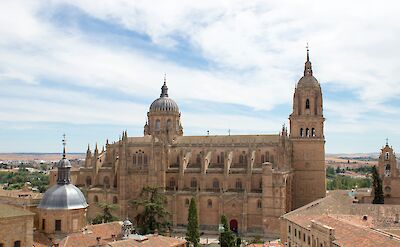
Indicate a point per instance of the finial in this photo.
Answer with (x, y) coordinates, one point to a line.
(307, 66)
(64, 143)
(88, 147)
(164, 88)
(387, 141)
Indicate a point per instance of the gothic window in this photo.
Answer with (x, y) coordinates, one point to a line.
(158, 123)
(57, 225)
(193, 183)
(386, 155)
(313, 132)
(106, 182)
(259, 204)
(243, 158)
(301, 132)
(134, 159)
(307, 132)
(272, 159)
(187, 203)
(198, 159)
(88, 181)
(115, 200)
(96, 199)
(218, 161)
(17, 243)
(238, 184)
(307, 104)
(387, 170)
(172, 183)
(260, 184)
(222, 157)
(169, 124)
(145, 159)
(267, 156)
(262, 158)
(209, 203)
(215, 183)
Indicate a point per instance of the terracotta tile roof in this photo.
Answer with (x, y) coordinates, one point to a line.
(7, 211)
(89, 236)
(151, 241)
(348, 232)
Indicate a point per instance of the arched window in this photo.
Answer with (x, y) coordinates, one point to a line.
(262, 158)
(115, 200)
(172, 183)
(193, 183)
(218, 161)
(222, 157)
(144, 159)
(267, 156)
(387, 170)
(301, 132)
(307, 104)
(134, 159)
(313, 132)
(18, 242)
(259, 204)
(386, 155)
(209, 203)
(238, 184)
(169, 124)
(88, 181)
(187, 203)
(307, 132)
(96, 199)
(158, 124)
(215, 183)
(106, 182)
(198, 159)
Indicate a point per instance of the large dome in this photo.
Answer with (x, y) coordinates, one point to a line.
(66, 196)
(164, 103)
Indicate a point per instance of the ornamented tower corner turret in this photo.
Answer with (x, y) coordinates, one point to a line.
(307, 136)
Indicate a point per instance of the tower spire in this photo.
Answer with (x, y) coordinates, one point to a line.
(307, 66)
(64, 143)
(164, 88)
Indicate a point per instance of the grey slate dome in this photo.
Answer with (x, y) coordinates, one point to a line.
(164, 103)
(63, 195)
(66, 196)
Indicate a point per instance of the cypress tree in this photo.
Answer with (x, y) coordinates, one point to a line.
(192, 233)
(377, 187)
(227, 237)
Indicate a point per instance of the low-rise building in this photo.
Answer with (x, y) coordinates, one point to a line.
(337, 221)
(16, 226)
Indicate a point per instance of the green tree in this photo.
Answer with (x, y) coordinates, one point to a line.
(377, 187)
(192, 233)
(227, 237)
(153, 214)
(106, 215)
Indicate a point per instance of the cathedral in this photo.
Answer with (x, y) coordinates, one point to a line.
(252, 179)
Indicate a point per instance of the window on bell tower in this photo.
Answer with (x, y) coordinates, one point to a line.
(307, 104)
(386, 155)
(158, 123)
(301, 132)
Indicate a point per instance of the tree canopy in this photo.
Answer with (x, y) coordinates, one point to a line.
(377, 187)
(152, 214)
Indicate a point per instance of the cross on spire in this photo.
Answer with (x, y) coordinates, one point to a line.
(387, 141)
(307, 66)
(308, 52)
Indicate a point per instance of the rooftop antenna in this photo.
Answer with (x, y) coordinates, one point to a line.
(229, 132)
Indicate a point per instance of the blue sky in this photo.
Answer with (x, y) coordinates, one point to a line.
(91, 69)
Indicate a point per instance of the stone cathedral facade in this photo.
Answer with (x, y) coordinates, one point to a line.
(252, 179)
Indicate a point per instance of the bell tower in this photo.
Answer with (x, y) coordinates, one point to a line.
(307, 137)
